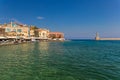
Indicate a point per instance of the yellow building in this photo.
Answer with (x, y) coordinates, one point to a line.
(15, 30)
(38, 32)
(43, 33)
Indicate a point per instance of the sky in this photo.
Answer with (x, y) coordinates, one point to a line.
(77, 19)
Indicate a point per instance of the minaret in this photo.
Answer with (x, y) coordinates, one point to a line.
(97, 36)
(28, 31)
(11, 23)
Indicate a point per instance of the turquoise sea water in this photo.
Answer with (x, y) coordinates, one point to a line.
(70, 60)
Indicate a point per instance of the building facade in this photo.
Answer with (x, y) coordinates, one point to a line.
(56, 35)
(16, 30)
(43, 33)
(2, 31)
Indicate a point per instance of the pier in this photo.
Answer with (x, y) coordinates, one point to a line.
(98, 38)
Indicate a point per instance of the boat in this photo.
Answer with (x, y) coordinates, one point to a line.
(33, 40)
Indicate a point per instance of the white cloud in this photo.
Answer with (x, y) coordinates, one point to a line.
(40, 18)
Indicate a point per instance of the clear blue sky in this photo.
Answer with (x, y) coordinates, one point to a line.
(76, 18)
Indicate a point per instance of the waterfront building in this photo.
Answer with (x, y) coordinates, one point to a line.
(2, 32)
(15, 30)
(43, 33)
(33, 31)
(56, 35)
(39, 32)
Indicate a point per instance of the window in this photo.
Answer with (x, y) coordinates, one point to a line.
(7, 30)
(14, 25)
(19, 30)
(43, 34)
(14, 30)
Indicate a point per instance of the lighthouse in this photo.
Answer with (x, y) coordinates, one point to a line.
(97, 36)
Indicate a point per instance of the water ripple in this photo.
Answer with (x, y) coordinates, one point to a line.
(73, 60)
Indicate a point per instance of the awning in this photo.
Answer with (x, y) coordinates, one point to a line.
(3, 37)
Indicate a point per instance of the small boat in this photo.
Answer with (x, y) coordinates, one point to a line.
(33, 40)
(15, 42)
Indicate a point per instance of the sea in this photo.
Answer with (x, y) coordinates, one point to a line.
(68, 60)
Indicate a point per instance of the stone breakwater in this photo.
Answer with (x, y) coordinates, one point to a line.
(99, 38)
(109, 39)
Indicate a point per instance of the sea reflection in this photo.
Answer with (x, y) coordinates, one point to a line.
(44, 46)
(27, 46)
